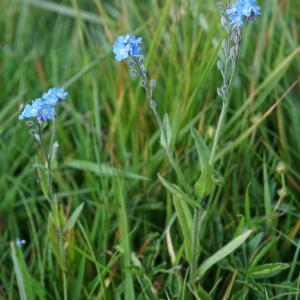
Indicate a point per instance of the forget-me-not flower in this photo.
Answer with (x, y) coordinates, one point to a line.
(43, 109)
(125, 46)
(243, 9)
(54, 95)
(39, 109)
(121, 48)
(135, 46)
(31, 110)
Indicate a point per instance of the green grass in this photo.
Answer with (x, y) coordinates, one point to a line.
(127, 242)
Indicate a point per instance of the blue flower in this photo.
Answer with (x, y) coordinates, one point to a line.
(31, 110)
(135, 46)
(125, 46)
(243, 9)
(39, 109)
(236, 19)
(44, 108)
(20, 242)
(46, 112)
(121, 47)
(55, 95)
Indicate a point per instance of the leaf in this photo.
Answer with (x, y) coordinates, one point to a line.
(267, 194)
(53, 157)
(205, 184)
(184, 216)
(267, 270)
(72, 220)
(102, 169)
(165, 139)
(176, 191)
(19, 275)
(183, 213)
(222, 253)
(265, 249)
(202, 149)
(43, 177)
(125, 240)
(248, 207)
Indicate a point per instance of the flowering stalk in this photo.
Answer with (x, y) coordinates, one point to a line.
(242, 10)
(47, 161)
(40, 111)
(164, 135)
(130, 47)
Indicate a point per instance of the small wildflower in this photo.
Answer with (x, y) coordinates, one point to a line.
(44, 108)
(55, 95)
(243, 9)
(135, 46)
(125, 46)
(20, 242)
(46, 112)
(121, 48)
(31, 110)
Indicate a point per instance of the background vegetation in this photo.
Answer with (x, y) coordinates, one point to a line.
(109, 153)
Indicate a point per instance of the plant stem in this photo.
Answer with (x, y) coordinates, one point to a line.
(218, 131)
(167, 149)
(48, 163)
(229, 59)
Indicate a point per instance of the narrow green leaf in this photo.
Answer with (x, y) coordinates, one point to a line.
(18, 272)
(265, 249)
(267, 194)
(205, 184)
(202, 149)
(222, 253)
(166, 140)
(267, 270)
(125, 242)
(177, 192)
(53, 157)
(43, 178)
(65, 10)
(248, 208)
(102, 169)
(203, 294)
(184, 216)
(72, 220)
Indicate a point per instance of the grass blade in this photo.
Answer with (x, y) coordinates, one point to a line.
(222, 253)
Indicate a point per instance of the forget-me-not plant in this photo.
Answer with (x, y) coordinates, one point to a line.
(38, 113)
(232, 20)
(128, 48)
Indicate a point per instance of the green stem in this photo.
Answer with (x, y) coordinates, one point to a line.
(163, 133)
(225, 97)
(48, 162)
(219, 130)
(52, 139)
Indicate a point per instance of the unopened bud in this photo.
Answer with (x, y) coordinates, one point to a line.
(282, 193)
(281, 168)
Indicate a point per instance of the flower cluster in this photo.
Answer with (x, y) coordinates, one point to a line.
(243, 9)
(44, 108)
(128, 45)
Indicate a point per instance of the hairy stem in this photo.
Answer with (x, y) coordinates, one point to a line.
(48, 162)
(167, 149)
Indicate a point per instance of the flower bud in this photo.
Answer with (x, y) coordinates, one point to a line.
(281, 168)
